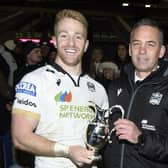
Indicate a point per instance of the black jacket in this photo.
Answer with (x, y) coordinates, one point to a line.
(21, 71)
(147, 106)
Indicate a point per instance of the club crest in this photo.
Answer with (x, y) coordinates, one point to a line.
(91, 87)
(155, 98)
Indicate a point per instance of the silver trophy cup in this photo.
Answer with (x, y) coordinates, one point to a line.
(98, 133)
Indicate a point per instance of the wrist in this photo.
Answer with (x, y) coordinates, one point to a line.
(61, 150)
(141, 141)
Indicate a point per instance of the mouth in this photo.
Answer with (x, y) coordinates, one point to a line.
(70, 51)
(142, 60)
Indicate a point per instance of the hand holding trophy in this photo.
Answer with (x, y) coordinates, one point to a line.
(98, 132)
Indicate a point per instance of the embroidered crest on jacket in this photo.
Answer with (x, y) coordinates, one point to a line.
(155, 98)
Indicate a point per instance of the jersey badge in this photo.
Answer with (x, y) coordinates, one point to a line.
(91, 87)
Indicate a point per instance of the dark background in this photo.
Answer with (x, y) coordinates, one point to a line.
(109, 21)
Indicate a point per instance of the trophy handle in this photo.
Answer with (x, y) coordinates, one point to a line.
(96, 107)
(100, 113)
(111, 112)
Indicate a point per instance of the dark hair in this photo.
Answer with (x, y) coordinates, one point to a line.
(29, 47)
(123, 44)
(148, 22)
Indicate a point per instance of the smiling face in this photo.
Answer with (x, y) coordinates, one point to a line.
(71, 42)
(145, 49)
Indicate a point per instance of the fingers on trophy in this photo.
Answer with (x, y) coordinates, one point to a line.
(98, 132)
(115, 109)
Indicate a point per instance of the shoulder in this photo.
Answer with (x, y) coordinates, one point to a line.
(40, 76)
(96, 83)
(37, 79)
(41, 72)
(95, 86)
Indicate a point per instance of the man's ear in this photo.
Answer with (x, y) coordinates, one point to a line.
(86, 45)
(54, 41)
(162, 51)
(129, 49)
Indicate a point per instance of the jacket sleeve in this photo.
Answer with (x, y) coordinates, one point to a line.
(154, 145)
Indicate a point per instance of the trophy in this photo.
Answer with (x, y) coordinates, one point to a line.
(98, 133)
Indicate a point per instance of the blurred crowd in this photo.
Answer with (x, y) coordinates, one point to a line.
(16, 59)
(19, 58)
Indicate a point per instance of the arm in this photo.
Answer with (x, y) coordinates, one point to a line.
(25, 139)
(153, 145)
(150, 144)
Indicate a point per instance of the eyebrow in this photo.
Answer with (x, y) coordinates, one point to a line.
(76, 33)
(150, 41)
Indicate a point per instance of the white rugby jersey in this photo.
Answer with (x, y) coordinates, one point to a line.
(61, 105)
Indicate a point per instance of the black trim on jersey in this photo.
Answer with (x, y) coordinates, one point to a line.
(60, 69)
(49, 70)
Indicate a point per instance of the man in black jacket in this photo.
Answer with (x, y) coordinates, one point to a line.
(33, 60)
(141, 138)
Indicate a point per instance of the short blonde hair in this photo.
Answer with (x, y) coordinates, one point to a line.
(69, 13)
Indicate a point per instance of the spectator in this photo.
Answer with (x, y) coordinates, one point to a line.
(45, 49)
(52, 54)
(122, 57)
(97, 56)
(109, 71)
(6, 53)
(32, 54)
(19, 53)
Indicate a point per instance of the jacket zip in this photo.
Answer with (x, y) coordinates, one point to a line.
(128, 114)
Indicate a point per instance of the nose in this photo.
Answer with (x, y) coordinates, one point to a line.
(71, 41)
(142, 49)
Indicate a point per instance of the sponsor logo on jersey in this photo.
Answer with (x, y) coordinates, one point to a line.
(91, 86)
(155, 98)
(72, 111)
(26, 102)
(63, 97)
(26, 88)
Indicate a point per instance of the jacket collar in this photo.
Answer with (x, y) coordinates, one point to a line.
(160, 72)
